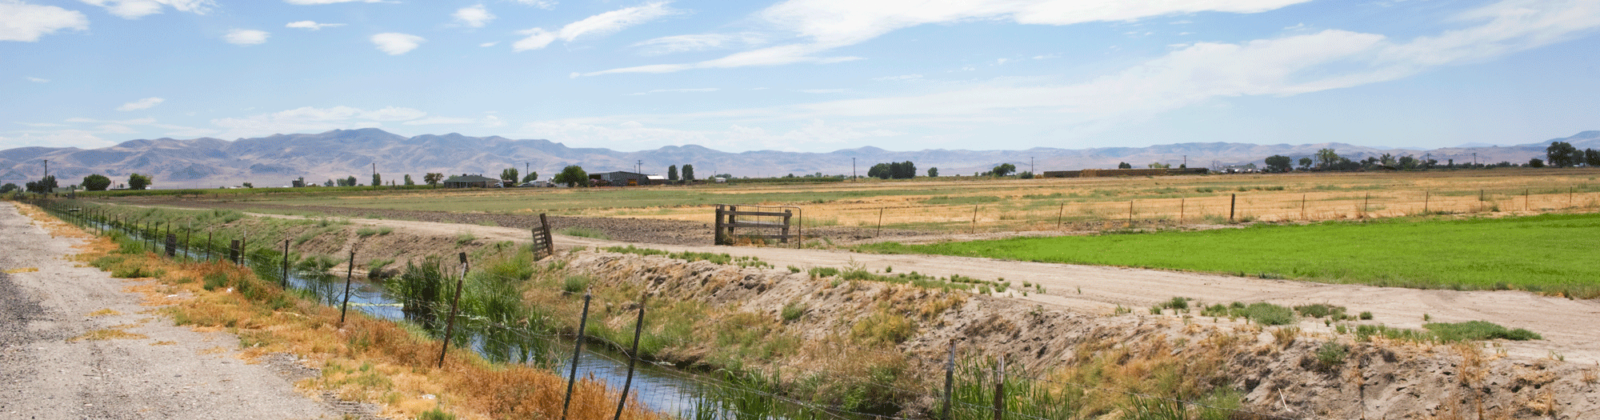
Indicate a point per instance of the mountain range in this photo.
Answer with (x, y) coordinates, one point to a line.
(277, 159)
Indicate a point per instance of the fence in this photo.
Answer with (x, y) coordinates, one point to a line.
(975, 386)
(762, 218)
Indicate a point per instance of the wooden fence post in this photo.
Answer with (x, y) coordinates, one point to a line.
(1426, 196)
(349, 271)
(786, 214)
(577, 350)
(1060, 213)
(1233, 201)
(974, 219)
(1130, 213)
(949, 379)
(1000, 390)
(549, 242)
(450, 325)
(285, 264)
(880, 223)
(1302, 207)
(1182, 205)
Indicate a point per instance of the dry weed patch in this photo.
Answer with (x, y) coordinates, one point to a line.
(22, 270)
(113, 333)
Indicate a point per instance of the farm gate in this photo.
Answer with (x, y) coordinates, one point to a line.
(762, 220)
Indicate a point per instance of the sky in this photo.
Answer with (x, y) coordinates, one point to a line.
(805, 75)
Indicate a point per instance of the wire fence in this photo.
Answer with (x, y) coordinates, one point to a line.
(974, 386)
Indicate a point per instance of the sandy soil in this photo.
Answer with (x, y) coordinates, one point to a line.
(1567, 325)
(162, 371)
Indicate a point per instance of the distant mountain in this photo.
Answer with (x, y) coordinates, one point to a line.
(275, 160)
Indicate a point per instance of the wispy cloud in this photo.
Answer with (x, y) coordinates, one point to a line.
(699, 42)
(394, 43)
(246, 37)
(312, 25)
(474, 16)
(313, 2)
(38, 80)
(689, 90)
(542, 4)
(900, 78)
(26, 22)
(597, 25)
(310, 119)
(145, 103)
(822, 90)
(134, 9)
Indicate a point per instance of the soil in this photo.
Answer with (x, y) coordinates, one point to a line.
(152, 369)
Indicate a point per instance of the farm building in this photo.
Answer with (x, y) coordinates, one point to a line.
(622, 178)
(1092, 173)
(470, 181)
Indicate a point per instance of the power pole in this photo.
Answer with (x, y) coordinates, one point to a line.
(47, 167)
(1030, 164)
(852, 170)
(639, 166)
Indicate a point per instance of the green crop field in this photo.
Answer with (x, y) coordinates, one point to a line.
(1553, 253)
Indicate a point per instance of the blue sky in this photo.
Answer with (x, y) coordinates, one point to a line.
(804, 75)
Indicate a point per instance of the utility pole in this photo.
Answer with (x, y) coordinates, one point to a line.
(852, 169)
(47, 167)
(1185, 161)
(639, 166)
(1030, 164)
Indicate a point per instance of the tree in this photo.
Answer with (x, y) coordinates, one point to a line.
(1280, 163)
(433, 178)
(1326, 158)
(1305, 163)
(1025, 175)
(1562, 154)
(688, 172)
(409, 182)
(43, 185)
(1535, 163)
(530, 177)
(933, 172)
(672, 173)
(880, 171)
(139, 182)
(574, 175)
(96, 182)
(351, 181)
(508, 175)
(1004, 169)
(249, 185)
(1591, 157)
(1124, 165)
(377, 180)
(9, 187)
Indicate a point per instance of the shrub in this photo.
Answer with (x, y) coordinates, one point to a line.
(883, 328)
(1320, 310)
(820, 272)
(436, 413)
(1478, 330)
(1331, 354)
(1366, 315)
(464, 238)
(575, 284)
(793, 311)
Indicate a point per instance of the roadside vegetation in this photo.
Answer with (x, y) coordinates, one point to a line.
(1546, 253)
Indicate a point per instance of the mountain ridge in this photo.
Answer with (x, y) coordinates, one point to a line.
(275, 160)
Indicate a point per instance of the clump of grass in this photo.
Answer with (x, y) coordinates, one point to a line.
(1366, 315)
(820, 272)
(793, 311)
(583, 232)
(883, 328)
(1331, 354)
(1478, 330)
(1260, 312)
(793, 269)
(436, 414)
(366, 231)
(113, 333)
(575, 284)
(1285, 336)
(464, 238)
(1319, 310)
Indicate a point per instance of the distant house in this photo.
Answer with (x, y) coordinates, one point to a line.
(621, 178)
(470, 181)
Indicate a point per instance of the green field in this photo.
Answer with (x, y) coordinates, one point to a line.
(1552, 253)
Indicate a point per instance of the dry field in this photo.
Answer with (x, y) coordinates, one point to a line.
(961, 205)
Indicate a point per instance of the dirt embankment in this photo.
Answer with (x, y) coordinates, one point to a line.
(1280, 373)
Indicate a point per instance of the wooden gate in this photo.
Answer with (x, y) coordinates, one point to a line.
(764, 223)
(543, 246)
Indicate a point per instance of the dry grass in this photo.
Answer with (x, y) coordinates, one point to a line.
(113, 333)
(104, 312)
(22, 270)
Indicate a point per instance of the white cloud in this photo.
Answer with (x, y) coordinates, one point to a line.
(542, 4)
(312, 25)
(26, 22)
(625, 131)
(830, 24)
(900, 78)
(475, 16)
(597, 25)
(486, 121)
(488, 44)
(134, 9)
(393, 43)
(309, 119)
(688, 90)
(38, 80)
(822, 90)
(145, 103)
(246, 37)
(699, 42)
(310, 2)
(59, 138)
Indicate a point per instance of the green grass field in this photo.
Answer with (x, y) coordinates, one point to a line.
(1549, 253)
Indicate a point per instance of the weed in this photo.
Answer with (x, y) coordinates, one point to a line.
(1366, 315)
(1285, 336)
(574, 284)
(436, 414)
(366, 231)
(1335, 313)
(793, 269)
(883, 328)
(464, 238)
(1260, 312)
(1331, 354)
(793, 311)
(1478, 330)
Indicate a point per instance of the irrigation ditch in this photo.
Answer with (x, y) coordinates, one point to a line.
(730, 338)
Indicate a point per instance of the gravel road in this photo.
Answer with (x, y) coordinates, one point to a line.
(175, 373)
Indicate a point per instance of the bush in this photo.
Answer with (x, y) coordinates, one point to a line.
(883, 328)
(1332, 354)
(793, 311)
(1366, 315)
(436, 414)
(1478, 330)
(575, 284)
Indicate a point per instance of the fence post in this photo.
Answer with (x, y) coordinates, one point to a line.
(577, 350)
(716, 236)
(638, 327)
(733, 218)
(787, 213)
(1524, 200)
(1364, 201)
(233, 251)
(1060, 213)
(1426, 195)
(1130, 213)
(450, 326)
(549, 243)
(349, 272)
(1232, 201)
(1000, 390)
(880, 223)
(285, 264)
(949, 379)
(1182, 205)
(208, 245)
(172, 245)
(1302, 207)
(974, 219)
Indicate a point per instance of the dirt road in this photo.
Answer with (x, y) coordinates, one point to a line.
(154, 369)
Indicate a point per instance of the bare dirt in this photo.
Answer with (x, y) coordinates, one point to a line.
(76, 343)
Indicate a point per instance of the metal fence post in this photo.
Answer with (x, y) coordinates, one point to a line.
(1364, 207)
(1000, 389)
(450, 326)
(949, 379)
(350, 271)
(880, 223)
(638, 327)
(1130, 213)
(1426, 196)
(208, 245)
(1232, 202)
(577, 350)
(1060, 214)
(285, 264)
(974, 219)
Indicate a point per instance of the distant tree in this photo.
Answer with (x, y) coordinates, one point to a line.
(1305, 163)
(343, 182)
(1124, 165)
(351, 181)
(1535, 163)
(1591, 157)
(96, 182)
(249, 185)
(1327, 158)
(1280, 163)
(1004, 169)
(139, 182)
(880, 171)
(328, 183)
(408, 181)
(43, 185)
(906, 170)
(508, 175)
(573, 175)
(8, 188)
(530, 177)
(433, 178)
(1407, 162)
(1562, 154)
(1450, 163)
(377, 180)
(1025, 175)
(933, 172)
(1158, 165)
(672, 173)
(688, 172)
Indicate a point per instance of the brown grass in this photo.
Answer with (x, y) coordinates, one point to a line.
(113, 333)
(104, 312)
(22, 270)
